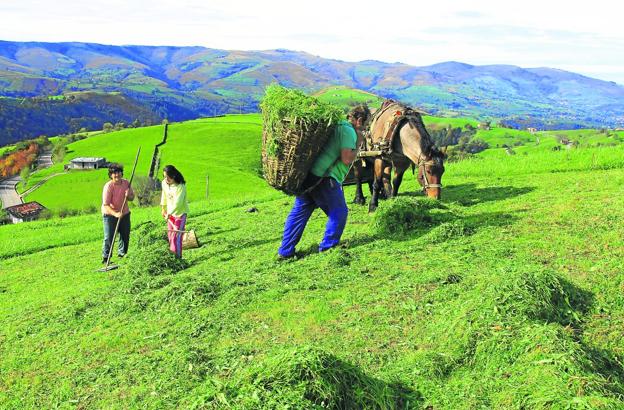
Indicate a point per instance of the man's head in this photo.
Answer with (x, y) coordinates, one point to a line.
(359, 115)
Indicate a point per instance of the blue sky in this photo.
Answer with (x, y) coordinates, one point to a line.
(582, 37)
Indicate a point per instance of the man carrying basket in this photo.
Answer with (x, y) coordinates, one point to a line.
(323, 186)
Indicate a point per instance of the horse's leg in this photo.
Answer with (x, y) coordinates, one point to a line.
(359, 199)
(386, 175)
(399, 171)
(377, 184)
(371, 163)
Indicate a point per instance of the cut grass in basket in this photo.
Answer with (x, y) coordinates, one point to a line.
(295, 130)
(284, 108)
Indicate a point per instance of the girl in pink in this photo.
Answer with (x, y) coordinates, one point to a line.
(174, 207)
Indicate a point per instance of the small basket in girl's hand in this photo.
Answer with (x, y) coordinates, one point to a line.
(189, 240)
(295, 130)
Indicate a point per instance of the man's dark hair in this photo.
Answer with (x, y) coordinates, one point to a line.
(360, 111)
(112, 168)
(174, 174)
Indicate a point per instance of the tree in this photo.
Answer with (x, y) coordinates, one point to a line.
(4, 217)
(25, 174)
(42, 140)
(107, 127)
(147, 190)
(471, 146)
(59, 151)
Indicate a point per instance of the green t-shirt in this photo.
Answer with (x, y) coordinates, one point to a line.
(328, 162)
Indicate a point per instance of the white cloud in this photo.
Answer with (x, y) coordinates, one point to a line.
(558, 34)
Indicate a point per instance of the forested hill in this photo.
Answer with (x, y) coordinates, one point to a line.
(197, 81)
(26, 118)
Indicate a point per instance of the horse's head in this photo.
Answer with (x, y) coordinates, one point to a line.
(430, 170)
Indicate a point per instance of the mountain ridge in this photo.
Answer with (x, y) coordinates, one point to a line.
(206, 81)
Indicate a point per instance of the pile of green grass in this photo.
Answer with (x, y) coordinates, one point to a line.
(290, 109)
(305, 378)
(402, 215)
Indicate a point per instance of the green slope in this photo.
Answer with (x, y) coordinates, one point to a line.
(511, 297)
(346, 97)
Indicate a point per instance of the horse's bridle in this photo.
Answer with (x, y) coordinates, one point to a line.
(423, 163)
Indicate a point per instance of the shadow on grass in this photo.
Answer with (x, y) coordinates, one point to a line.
(469, 194)
(608, 365)
(207, 233)
(468, 226)
(233, 248)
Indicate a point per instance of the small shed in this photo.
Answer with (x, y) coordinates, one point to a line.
(87, 163)
(28, 211)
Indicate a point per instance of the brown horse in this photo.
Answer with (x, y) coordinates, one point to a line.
(407, 144)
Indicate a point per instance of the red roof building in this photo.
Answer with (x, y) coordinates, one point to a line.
(24, 212)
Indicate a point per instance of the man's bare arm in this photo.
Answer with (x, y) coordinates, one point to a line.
(347, 156)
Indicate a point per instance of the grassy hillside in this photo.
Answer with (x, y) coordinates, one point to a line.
(207, 148)
(202, 148)
(509, 295)
(345, 97)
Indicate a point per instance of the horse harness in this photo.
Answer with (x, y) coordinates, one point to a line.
(388, 119)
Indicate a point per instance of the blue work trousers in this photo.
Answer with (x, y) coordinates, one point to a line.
(328, 196)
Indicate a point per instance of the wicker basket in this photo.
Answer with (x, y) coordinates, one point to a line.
(299, 145)
(189, 240)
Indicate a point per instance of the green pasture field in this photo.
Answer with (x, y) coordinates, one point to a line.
(441, 122)
(78, 189)
(219, 157)
(191, 146)
(345, 97)
(510, 295)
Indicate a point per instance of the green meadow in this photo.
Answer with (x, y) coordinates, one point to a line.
(506, 294)
(345, 97)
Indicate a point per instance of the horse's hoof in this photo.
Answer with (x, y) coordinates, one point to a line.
(359, 201)
(371, 208)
